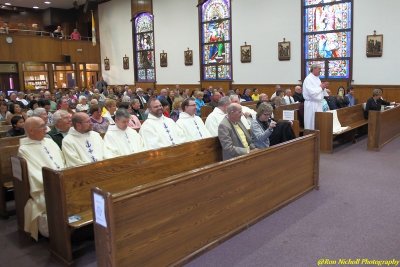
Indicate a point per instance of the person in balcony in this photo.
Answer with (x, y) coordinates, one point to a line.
(58, 33)
(75, 35)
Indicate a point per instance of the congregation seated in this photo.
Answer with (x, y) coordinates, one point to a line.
(99, 124)
(17, 124)
(3, 110)
(15, 108)
(214, 100)
(121, 140)
(263, 98)
(134, 122)
(217, 115)
(75, 35)
(82, 145)
(176, 108)
(234, 138)
(247, 95)
(278, 99)
(110, 106)
(135, 109)
(341, 100)
(288, 97)
(255, 96)
(38, 152)
(350, 96)
(199, 102)
(191, 124)
(41, 113)
(375, 102)
(159, 131)
(262, 127)
(82, 104)
(62, 124)
(247, 113)
(58, 33)
(330, 99)
(298, 94)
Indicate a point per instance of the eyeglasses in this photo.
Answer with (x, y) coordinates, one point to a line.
(191, 105)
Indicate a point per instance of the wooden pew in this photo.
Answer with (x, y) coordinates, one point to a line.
(383, 126)
(205, 111)
(170, 221)
(278, 115)
(8, 147)
(353, 117)
(67, 191)
(21, 188)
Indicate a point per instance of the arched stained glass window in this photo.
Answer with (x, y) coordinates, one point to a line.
(215, 36)
(327, 37)
(144, 48)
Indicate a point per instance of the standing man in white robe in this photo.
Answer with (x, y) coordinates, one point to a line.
(217, 115)
(313, 93)
(82, 145)
(192, 125)
(121, 140)
(159, 131)
(38, 152)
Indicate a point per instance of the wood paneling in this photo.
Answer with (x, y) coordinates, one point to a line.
(390, 92)
(139, 6)
(45, 49)
(383, 126)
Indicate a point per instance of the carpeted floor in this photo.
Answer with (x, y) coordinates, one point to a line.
(354, 215)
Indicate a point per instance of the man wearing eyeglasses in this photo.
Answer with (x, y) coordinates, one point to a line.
(233, 135)
(82, 145)
(159, 131)
(38, 152)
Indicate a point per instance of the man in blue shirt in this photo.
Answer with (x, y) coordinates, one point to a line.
(350, 96)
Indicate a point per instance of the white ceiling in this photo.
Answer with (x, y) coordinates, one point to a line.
(65, 4)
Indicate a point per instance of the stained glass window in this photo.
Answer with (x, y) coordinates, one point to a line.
(216, 45)
(327, 37)
(144, 48)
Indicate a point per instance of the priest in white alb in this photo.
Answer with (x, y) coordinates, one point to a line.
(192, 125)
(217, 115)
(313, 93)
(82, 145)
(121, 140)
(159, 131)
(38, 152)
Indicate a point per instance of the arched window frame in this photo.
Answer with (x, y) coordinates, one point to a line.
(205, 45)
(327, 63)
(144, 72)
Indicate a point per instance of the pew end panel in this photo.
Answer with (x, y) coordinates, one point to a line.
(57, 216)
(194, 211)
(383, 127)
(21, 189)
(6, 176)
(324, 123)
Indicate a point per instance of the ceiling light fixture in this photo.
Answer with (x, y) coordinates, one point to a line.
(47, 2)
(7, 4)
(35, 7)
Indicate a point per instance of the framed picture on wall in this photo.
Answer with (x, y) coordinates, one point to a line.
(284, 50)
(106, 64)
(245, 53)
(125, 62)
(188, 55)
(374, 45)
(163, 59)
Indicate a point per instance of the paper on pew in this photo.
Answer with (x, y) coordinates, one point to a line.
(337, 127)
(99, 210)
(288, 115)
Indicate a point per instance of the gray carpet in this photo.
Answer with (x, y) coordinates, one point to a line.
(354, 215)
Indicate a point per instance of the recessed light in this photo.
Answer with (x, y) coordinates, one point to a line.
(7, 4)
(47, 2)
(35, 7)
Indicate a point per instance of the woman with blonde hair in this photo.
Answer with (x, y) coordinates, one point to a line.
(110, 106)
(176, 108)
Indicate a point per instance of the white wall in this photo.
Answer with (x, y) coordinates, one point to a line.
(382, 16)
(262, 24)
(116, 40)
(176, 30)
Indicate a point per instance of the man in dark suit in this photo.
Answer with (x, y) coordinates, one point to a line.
(233, 135)
(141, 97)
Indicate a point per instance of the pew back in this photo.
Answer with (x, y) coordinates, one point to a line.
(67, 191)
(194, 211)
(383, 126)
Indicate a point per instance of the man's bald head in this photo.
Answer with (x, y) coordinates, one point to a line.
(35, 128)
